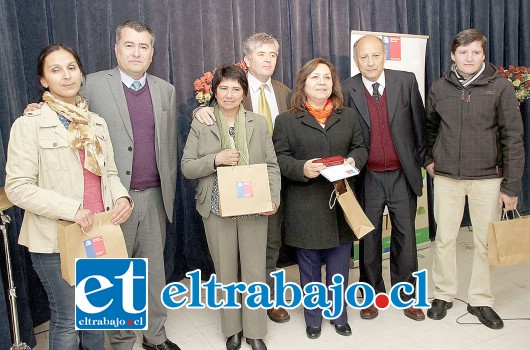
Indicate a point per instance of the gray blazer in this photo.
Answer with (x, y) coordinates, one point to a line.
(204, 142)
(105, 96)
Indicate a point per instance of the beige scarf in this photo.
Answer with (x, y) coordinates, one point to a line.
(81, 130)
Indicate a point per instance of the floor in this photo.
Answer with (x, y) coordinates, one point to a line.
(201, 329)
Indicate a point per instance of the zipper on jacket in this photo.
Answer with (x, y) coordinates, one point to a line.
(463, 106)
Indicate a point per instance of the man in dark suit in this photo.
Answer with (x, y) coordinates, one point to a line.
(269, 98)
(391, 113)
(140, 110)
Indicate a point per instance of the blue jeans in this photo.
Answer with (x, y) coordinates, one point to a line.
(61, 297)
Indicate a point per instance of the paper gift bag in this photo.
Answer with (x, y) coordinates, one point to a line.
(104, 240)
(244, 189)
(4, 202)
(355, 216)
(509, 241)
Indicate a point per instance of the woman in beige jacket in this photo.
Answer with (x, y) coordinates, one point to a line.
(60, 166)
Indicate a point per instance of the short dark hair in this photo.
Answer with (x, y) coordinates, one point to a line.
(136, 25)
(467, 37)
(299, 97)
(232, 72)
(45, 52)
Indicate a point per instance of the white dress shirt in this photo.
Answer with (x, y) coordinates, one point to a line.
(127, 80)
(381, 80)
(254, 90)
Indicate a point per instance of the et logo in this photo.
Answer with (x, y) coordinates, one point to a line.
(111, 294)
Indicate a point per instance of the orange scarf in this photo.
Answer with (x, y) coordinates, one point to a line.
(321, 115)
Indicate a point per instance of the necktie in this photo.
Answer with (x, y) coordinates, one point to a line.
(136, 85)
(375, 93)
(263, 107)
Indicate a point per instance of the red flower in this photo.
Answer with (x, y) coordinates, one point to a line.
(519, 77)
(197, 85)
(208, 77)
(242, 65)
(203, 85)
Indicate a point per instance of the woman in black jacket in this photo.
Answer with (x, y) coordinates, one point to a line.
(317, 126)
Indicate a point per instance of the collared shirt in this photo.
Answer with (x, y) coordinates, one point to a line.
(254, 89)
(127, 80)
(381, 80)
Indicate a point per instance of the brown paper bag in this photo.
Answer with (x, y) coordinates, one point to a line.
(353, 213)
(509, 241)
(4, 202)
(104, 240)
(244, 189)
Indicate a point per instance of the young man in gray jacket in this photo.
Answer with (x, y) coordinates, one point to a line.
(474, 148)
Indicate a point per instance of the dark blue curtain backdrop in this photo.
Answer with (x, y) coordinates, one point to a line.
(195, 36)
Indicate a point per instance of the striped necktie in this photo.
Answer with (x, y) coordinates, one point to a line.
(136, 85)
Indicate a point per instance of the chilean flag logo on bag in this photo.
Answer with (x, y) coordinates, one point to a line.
(95, 247)
(244, 189)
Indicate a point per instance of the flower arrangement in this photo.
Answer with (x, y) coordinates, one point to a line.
(520, 78)
(203, 88)
(203, 85)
